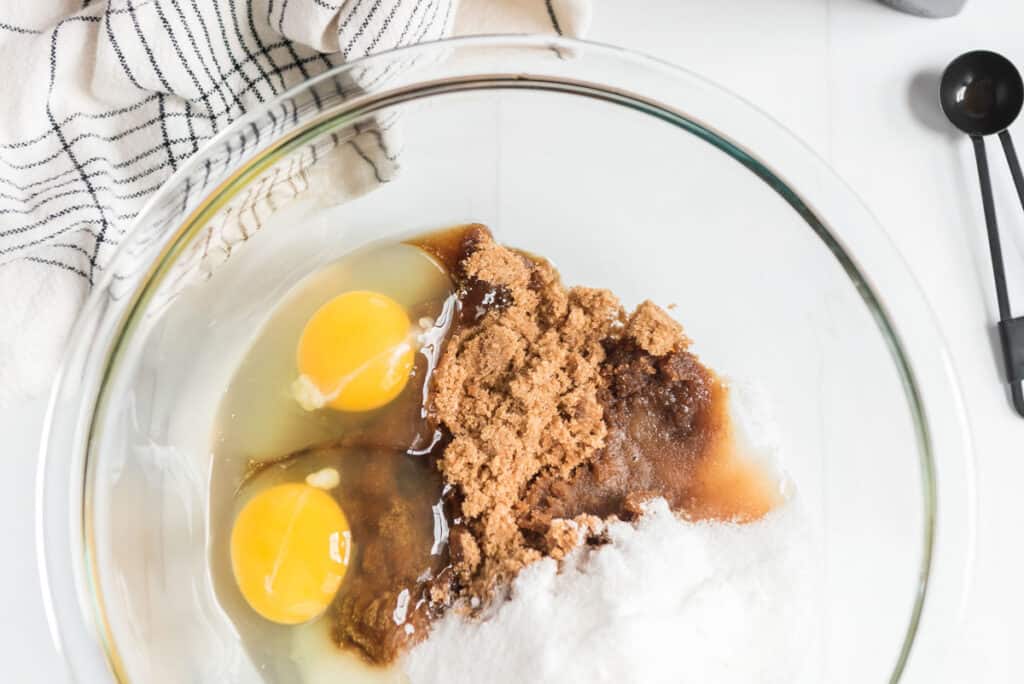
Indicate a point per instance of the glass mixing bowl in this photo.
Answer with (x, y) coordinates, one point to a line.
(626, 172)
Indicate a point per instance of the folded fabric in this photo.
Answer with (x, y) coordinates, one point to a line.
(105, 100)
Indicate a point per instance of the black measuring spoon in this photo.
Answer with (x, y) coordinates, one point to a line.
(982, 93)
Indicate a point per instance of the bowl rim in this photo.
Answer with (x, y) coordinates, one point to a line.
(74, 605)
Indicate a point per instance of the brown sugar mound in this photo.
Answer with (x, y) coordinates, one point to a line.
(517, 387)
(564, 412)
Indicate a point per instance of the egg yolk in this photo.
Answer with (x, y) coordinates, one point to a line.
(355, 353)
(290, 548)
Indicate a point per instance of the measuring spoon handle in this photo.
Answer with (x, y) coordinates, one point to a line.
(1011, 330)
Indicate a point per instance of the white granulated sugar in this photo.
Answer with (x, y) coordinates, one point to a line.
(666, 601)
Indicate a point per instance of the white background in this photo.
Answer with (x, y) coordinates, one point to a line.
(857, 82)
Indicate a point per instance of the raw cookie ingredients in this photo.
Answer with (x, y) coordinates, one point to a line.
(519, 421)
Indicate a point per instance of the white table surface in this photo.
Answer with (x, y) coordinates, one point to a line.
(857, 82)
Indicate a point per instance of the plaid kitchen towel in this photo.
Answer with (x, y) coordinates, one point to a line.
(104, 100)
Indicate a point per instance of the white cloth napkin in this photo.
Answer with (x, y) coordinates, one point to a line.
(104, 100)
